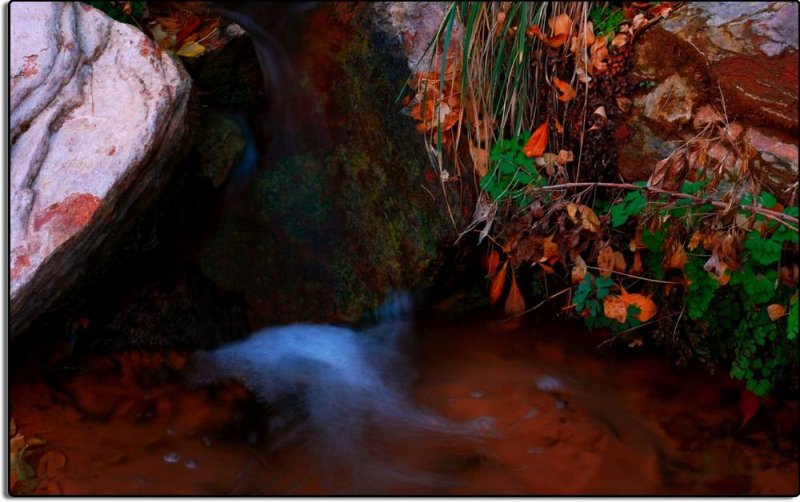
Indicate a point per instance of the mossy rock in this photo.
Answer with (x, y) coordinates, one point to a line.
(324, 236)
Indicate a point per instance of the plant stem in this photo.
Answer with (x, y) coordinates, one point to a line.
(782, 218)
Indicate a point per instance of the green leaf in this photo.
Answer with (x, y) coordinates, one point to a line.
(763, 251)
(792, 321)
(767, 200)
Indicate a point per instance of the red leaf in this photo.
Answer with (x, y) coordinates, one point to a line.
(749, 404)
(566, 90)
(515, 303)
(492, 262)
(536, 146)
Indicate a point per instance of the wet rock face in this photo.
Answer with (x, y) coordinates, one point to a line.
(97, 113)
(738, 58)
(322, 233)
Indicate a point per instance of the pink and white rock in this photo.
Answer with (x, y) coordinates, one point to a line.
(416, 23)
(710, 59)
(97, 113)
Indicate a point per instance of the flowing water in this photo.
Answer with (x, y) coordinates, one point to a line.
(561, 416)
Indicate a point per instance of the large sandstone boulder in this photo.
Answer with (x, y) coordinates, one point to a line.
(739, 59)
(97, 116)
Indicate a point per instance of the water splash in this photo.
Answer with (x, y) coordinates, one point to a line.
(341, 389)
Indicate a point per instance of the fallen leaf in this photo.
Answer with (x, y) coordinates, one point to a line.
(547, 268)
(590, 220)
(50, 464)
(661, 10)
(636, 267)
(615, 308)
(560, 25)
(572, 212)
(565, 156)
(620, 40)
(600, 110)
(537, 143)
(646, 305)
(677, 259)
(619, 262)
(498, 283)
(578, 270)
(492, 262)
(566, 90)
(190, 50)
(638, 21)
(559, 127)
(549, 250)
(749, 404)
(515, 303)
(554, 41)
(776, 311)
(605, 261)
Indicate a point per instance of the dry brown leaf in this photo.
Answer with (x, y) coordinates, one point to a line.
(549, 250)
(600, 110)
(565, 156)
(51, 464)
(537, 143)
(605, 261)
(620, 40)
(572, 212)
(619, 262)
(677, 259)
(590, 220)
(776, 311)
(515, 303)
(566, 90)
(578, 270)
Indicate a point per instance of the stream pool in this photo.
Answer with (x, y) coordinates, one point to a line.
(569, 418)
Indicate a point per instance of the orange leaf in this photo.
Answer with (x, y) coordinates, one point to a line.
(550, 250)
(590, 220)
(547, 268)
(775, 311)
(678, 258)
(578, 270)
(619, 262)
(493, 261)
(566, 90)
(560, 25)
(615, 308)
(637, 267)
(515, 304)
(646, 305)
(498, 283)
(605, 261)
(537, 143)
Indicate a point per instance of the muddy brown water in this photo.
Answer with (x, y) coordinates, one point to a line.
(571, 419)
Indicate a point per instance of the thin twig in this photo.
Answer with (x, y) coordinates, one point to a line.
(637, 276)
(782, 218)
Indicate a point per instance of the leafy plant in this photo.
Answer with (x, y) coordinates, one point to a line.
(511, 172)
(606, 19)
